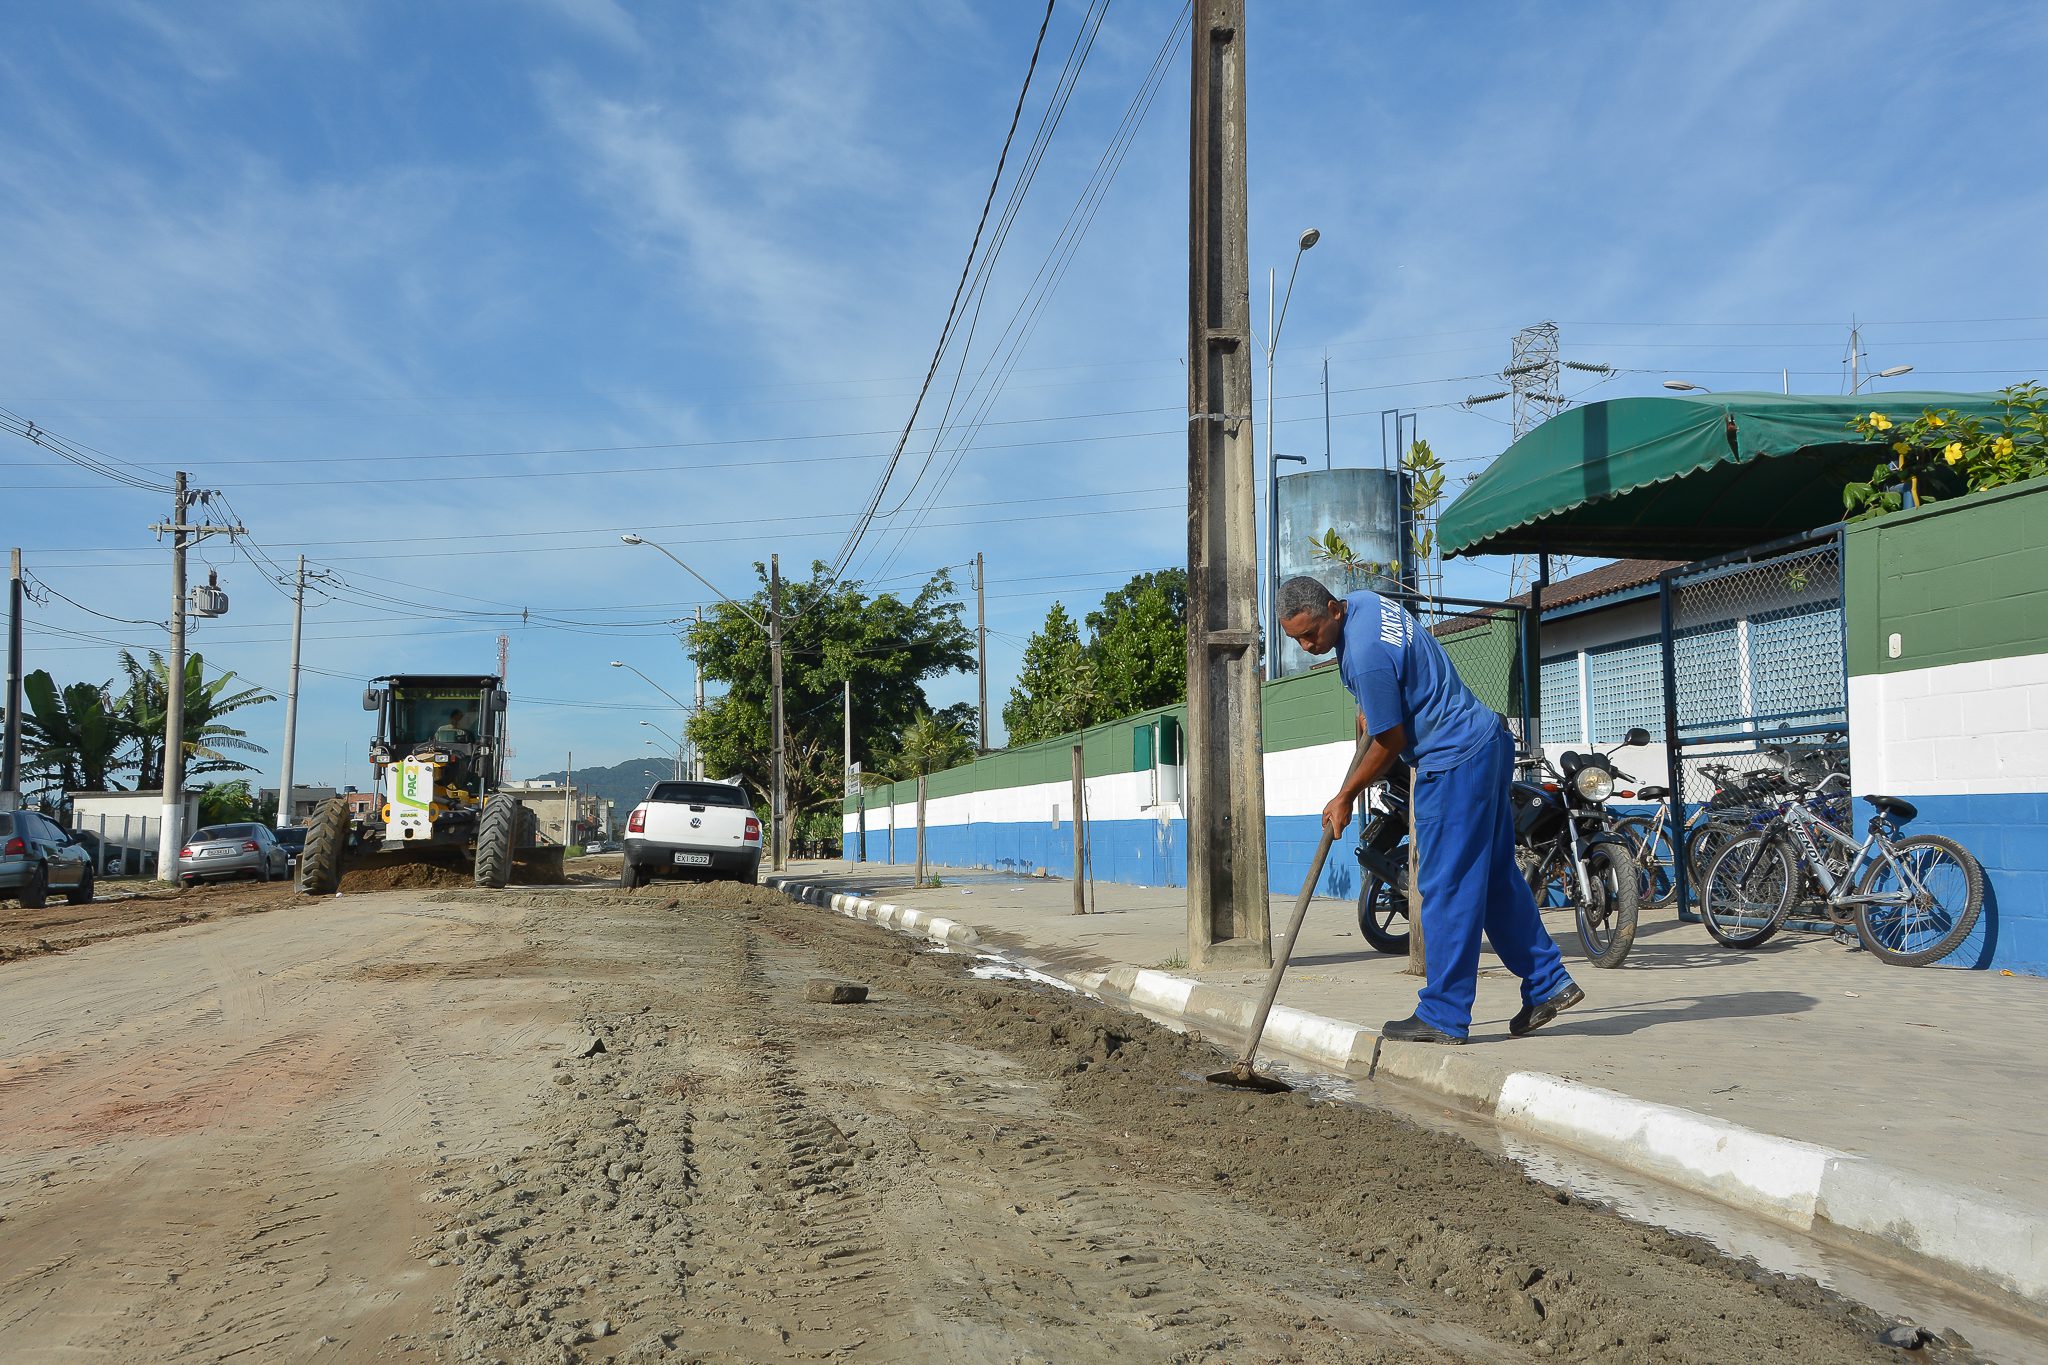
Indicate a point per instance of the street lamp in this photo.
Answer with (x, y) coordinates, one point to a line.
(1686, 386)
(678, 759)
(778, 805)
(1308, 238)
(686, 709)
(671, 739)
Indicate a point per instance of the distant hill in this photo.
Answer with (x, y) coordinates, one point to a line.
(625, 783)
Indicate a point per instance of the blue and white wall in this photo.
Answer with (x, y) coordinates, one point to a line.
(1948, 695)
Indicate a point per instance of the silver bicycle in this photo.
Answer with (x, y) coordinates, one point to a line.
(1912, 900)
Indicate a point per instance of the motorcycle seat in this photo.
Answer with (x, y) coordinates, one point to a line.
(1653, 793)
(1894, 807)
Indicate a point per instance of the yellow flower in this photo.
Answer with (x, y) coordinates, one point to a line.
(1954, 452)
(1880, 422)
(2002, 446)
(1935, 419)
(1901, 447)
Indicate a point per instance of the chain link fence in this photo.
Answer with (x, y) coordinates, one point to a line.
(1755, 676)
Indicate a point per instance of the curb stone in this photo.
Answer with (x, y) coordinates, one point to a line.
(1960, 1234)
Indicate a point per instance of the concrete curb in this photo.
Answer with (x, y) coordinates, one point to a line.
(1957, 1233)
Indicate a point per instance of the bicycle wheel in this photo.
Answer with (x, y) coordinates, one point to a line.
(1748, 891)
(1607, 922)
(1702, 842)
(1927, 927)
(1649, 838)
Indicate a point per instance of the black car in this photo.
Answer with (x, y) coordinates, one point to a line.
(36, 857)
(292, 839)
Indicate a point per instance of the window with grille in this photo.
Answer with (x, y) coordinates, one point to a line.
(1707, 661)
(1625, 683)
(1795, 661)
(1558, 688)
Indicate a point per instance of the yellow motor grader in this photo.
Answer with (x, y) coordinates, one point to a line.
(439, 764)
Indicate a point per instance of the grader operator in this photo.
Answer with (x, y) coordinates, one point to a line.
(439, 762)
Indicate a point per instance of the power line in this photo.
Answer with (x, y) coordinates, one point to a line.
(952, 311)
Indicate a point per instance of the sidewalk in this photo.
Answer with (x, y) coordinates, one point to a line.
(1805, 1082)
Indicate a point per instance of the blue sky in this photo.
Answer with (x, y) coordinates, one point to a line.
(447, 296)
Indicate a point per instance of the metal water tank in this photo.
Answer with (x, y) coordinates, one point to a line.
(1369, 508)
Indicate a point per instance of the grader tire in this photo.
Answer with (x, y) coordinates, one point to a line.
(326, 841)
(497, 832)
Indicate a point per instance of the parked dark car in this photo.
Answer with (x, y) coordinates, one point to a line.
(292, 839)
(239, 850)
(36, 858)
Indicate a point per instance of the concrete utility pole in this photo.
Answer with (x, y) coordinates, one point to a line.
(569, 800)
(291, 695)
(183, 536)
(847, 764)
(10, 740)
(777, 813)
(1227, 908)
(697, 672)
(981, 640)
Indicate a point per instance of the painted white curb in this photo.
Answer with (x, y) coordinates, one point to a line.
(1797, 1184)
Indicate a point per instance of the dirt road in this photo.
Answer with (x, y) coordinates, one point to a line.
(580, 1124)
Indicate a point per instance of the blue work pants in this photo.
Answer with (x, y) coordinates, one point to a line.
(1465, 825)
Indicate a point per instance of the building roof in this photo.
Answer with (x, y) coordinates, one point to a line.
(1603, 581)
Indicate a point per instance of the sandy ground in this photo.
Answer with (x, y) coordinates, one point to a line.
(583, 1124)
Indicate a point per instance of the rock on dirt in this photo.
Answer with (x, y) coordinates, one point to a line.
(825, 991)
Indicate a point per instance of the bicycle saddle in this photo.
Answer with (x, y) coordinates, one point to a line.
(1653, 793)
(1892, 806)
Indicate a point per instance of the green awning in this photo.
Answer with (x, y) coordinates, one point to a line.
(1682, 476)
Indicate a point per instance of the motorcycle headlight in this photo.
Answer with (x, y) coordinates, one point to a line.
(1594, 784)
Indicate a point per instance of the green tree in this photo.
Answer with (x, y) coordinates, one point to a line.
(930, 745)
(209, 743)
(1056, 690)
(75, 735)
(223, 803)
(832, 632)
(1140, 652)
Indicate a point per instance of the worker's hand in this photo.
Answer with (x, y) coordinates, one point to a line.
(1336, 815)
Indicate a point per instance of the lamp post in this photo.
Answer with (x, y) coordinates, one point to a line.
(1686, 386)
(1274, 323)
(681, 706)
(777, 812)
(678, 758)
(672, 740)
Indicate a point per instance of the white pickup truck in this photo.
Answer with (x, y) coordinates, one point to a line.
(692, 829)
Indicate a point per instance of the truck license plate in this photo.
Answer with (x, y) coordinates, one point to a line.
(694, 859)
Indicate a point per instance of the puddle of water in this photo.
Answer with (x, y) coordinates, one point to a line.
(993, 967)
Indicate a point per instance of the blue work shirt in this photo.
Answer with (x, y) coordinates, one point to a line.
(1401, 676)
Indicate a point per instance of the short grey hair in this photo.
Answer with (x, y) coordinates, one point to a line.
(1304, 594)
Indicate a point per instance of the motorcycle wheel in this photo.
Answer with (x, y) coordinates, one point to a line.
(1607, 924)
(1381, 906)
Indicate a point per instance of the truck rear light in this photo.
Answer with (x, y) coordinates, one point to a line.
(753, 835)
(15, 846)
(636, 823)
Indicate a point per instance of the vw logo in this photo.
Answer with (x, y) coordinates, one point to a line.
(696, 823)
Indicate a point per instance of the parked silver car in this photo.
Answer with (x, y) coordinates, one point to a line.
(242, 850)
(36, 857)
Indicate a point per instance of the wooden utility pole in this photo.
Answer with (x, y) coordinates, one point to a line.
(778, 816)
(922, 875)
(981, 640)
(1226, 785)
(1080, 833)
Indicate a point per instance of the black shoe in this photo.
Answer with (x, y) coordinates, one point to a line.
(1533, 1017)
(1413, 1030)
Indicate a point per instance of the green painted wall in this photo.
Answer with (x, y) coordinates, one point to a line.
(1307, 709)
(1958, 581)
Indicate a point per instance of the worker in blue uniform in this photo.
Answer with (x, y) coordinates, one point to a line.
(1418, 711)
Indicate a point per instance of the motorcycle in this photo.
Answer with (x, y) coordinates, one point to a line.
(1566, 846)
(1382, 854)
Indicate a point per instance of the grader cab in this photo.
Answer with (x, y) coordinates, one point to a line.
(438, 757)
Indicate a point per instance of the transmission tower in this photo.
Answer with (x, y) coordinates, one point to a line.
(1532, 377)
